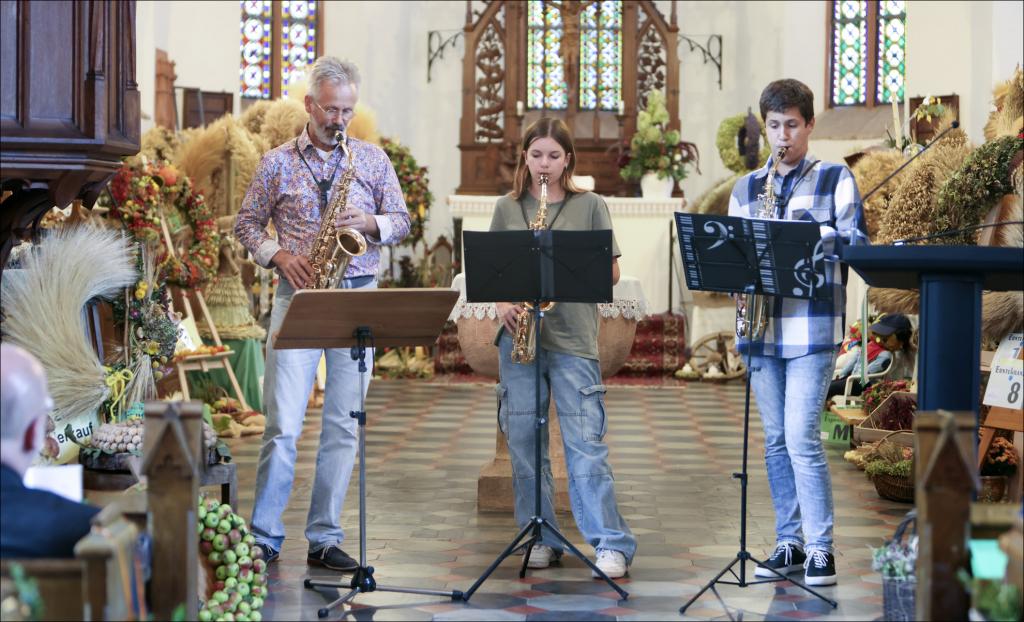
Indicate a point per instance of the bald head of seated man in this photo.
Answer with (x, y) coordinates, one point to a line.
(33, 523)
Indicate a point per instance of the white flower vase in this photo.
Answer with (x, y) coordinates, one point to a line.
(653, 188)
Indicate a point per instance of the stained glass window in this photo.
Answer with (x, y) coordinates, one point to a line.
(849, 52)
(546, 76)
(869, 45)
(892, 47)
(298, 41)
(600, 56)
(256, 34)
(289, 26)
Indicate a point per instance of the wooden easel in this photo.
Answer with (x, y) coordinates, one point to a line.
(1002, 418)
(202, 362)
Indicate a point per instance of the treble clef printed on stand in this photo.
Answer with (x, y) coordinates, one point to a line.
(804, 271)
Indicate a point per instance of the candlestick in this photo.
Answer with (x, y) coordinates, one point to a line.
(520, 109)
(622, 107)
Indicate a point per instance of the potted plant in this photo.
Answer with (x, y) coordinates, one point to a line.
(1000, 463)
(657, 156)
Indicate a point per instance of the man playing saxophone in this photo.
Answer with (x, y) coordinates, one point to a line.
(793, 359)
(296, 185)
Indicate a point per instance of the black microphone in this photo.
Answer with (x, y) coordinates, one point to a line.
(955, 125)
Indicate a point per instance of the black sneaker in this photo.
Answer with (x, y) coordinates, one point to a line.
(269, 554)
(788, 557)
(333, 558)
(820, 568)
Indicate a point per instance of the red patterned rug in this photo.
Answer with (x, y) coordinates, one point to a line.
(659, 349)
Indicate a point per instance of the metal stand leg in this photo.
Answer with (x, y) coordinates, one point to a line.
(537, 522)
(743, 556)
(362, 579)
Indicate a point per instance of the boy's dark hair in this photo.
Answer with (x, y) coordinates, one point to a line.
(781, 95)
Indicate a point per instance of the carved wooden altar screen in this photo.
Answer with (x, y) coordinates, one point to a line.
(495, 93)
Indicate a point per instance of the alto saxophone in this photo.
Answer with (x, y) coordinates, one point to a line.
(752, 311)
(524, 341)
(335, 246)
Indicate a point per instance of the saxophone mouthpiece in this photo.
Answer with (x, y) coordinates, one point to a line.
(542, 178)
(782, 151)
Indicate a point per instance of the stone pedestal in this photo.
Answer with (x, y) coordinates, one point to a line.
(476, 339)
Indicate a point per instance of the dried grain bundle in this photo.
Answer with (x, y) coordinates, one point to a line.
(43, 304)
(283, 121)
(886, 300)
(911, 210)
(245, 150)
(1008, 98)
(160, 143)
(716, 199)
(1002, 313)
(364, 125)
(869, 171)
(255, 115)
(202, 159)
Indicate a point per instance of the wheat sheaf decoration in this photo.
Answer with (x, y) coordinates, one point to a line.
(43, 302)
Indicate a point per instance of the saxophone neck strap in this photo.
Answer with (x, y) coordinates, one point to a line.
(784, 203)
(561, 208)
(323, 185)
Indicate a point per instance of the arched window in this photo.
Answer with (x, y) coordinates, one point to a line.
(594, 42)
(868, 51)
(279, 40)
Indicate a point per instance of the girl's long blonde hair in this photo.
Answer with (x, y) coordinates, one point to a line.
(545, 127)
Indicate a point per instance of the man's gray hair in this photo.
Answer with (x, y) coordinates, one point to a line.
(332, 70)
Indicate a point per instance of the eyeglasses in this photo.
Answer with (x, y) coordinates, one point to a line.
(332, 112)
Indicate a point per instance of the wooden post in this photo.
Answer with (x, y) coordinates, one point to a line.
(944, 484)
(172, 457)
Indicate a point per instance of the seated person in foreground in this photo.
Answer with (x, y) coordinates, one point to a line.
(889, 350)
(33, 523)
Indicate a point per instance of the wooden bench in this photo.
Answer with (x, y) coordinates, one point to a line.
(88, 586)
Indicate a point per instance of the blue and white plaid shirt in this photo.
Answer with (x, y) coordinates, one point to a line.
(827, 194)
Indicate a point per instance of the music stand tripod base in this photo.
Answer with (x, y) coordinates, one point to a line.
(351, 316)
(521, 265)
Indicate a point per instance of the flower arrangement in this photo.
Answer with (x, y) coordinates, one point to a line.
(1001, 458)
(142, 192)
(896, 559)
(876, 393)
(931, 107)
(656, 149)
(152, 327)
(415, 187)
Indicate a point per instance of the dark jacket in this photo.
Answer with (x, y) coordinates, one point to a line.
(38, 523)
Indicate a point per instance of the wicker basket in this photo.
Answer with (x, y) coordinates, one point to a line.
(892, 487)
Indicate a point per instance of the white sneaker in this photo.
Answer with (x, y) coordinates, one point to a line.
(612, 563)
(541, 556)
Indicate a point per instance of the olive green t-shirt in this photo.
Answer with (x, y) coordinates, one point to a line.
(570, 327)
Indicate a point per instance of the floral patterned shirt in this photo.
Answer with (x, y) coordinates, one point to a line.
(283, 190)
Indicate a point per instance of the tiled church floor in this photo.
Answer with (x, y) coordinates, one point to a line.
(673, 450)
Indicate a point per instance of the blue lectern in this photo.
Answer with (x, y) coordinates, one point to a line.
(951, 279)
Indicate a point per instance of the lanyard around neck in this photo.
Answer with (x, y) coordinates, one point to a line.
(561, 209)
(323, 185)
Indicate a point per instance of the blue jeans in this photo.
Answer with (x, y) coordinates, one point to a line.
(287, 384)
(790, 395)
(579, 400)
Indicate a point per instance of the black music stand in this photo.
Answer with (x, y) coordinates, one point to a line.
(538, 266)
(752, 256)
(358, 319)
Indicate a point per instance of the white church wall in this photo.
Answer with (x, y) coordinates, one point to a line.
(762, 41)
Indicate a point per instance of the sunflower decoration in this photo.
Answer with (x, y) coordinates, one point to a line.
(415, 187)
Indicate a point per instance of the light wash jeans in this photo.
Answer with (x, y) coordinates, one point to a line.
(287, 384)
(790, 395)
(579, 400)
